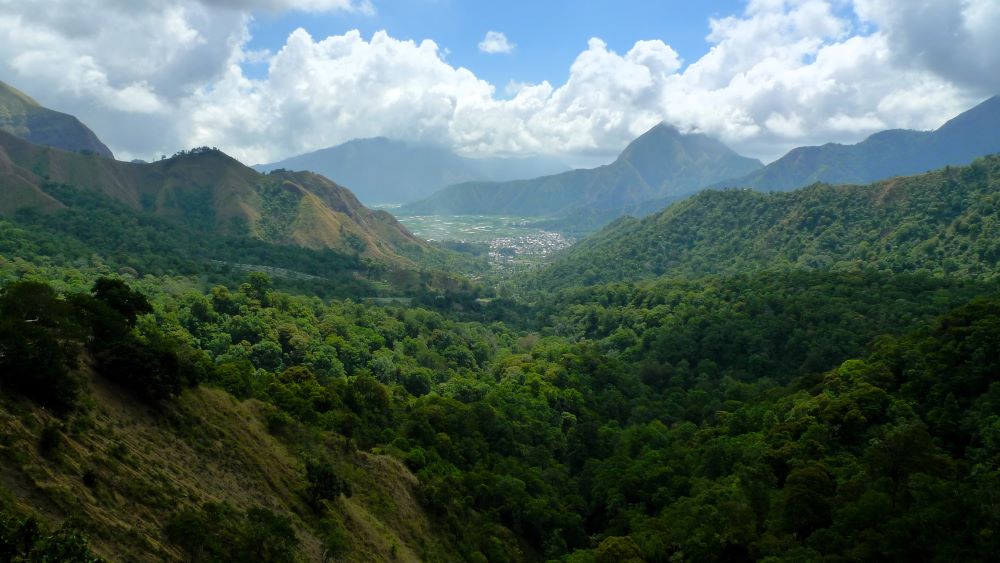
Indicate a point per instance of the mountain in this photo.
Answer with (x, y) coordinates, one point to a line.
(896, 152)
(661, 163)
(381, 170)
(22, 116)
(939, 222)
(207, 190)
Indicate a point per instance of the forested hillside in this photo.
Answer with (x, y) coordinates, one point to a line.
(791, 416)
(943, 222)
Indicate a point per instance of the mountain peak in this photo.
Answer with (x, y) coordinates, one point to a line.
(659, 131)
(10, 95)
(665, 148)
(661, 163)
(22, 116)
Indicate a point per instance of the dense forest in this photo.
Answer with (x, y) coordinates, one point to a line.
(943, 222)
(809, 376)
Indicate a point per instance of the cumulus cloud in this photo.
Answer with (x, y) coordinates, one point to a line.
(495, 42)
(161, 76)
(362, 6)
(956, 40)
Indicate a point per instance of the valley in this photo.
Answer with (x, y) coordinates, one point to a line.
(511, 243)
(721, 337)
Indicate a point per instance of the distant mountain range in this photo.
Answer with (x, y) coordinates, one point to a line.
(381, 170)
(661, 163)
(205, 189)
(664, 166)
(940, 222)
(896, 152)
(23, 117)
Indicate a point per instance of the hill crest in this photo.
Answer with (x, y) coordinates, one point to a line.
(207, 189)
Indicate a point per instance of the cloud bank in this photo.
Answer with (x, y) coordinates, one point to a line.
(153, 77)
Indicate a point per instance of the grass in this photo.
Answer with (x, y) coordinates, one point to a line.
(124, 471)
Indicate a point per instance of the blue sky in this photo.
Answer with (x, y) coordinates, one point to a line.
(548, 34)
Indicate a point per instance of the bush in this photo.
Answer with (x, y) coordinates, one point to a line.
(49, 440)
(218, 532)
(27, 540)
(38, 345)
(151, 371)
(324, 483)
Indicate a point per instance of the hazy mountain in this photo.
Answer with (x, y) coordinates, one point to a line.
(890, 153)
(940, 222)
(661, 163)
(206, 189)
(382, 170)
(22, 116)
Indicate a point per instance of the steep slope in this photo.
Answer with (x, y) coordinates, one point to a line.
(205, 189)
(126, 471)
(22, 116)
(381, 170)
(890, 153)
(20, 188)
(662, 162)
(940, 222)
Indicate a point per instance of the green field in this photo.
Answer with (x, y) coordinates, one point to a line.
(467, 228)
(511, 239)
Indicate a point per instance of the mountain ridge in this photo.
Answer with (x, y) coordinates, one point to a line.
(659, 163)
(207, 189)
(22, 116)
(893, 152)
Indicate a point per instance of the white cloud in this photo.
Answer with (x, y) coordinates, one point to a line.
(151, 78)
(362, 6)
(955, 39)
(496, 42)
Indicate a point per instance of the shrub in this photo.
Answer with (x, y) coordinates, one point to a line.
(324, 483)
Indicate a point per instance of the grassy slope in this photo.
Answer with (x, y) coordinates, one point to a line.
(940, 222)
(213, 191)
(205, 447)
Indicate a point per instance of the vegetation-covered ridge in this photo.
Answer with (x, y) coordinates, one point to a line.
(206, 190)
(942, 222)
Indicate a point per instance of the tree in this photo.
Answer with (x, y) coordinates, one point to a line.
(38, 345)
(122, 298)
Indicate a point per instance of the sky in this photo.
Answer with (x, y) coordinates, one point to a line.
(267, 79)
